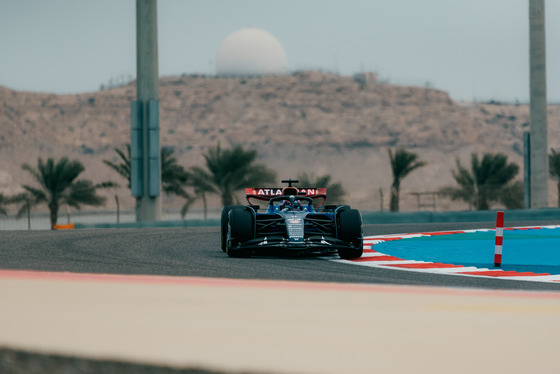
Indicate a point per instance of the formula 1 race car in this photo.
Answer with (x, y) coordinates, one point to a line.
(294, 220)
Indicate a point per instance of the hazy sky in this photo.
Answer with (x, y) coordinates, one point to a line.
(474, 49)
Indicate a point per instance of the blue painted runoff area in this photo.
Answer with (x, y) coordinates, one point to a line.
(533, 250)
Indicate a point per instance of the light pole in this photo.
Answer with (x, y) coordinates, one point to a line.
(145, 150)
(538, 106)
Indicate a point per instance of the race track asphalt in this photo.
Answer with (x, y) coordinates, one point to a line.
(196, 252)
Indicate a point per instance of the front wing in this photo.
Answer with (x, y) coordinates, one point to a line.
(311, 244)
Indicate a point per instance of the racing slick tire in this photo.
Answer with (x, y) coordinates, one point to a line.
(241, 229)
(224, 223)
(349, 224)
(333, 207)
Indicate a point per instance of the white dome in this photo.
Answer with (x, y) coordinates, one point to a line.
(250, 52)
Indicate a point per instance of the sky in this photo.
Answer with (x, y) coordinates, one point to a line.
(477, 50)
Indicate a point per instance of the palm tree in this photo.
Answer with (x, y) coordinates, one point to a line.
(173, 175)
(199, 181)
(3, 201)
(113, 186)
(335, 191)
(554, 169)
(232, 169)
(512, 195)
(486, 182)
(58, 186)
(123, 168)
(27, 202)
(402, 163)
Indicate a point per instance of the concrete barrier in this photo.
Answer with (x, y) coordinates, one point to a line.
(549, 214)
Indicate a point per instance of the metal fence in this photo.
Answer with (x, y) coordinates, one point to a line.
(41, 220)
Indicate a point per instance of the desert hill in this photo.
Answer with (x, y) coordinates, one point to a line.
(304, 122)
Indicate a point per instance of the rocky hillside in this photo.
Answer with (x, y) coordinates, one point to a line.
(305, 122)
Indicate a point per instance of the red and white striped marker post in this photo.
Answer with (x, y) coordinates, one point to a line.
(499, 239)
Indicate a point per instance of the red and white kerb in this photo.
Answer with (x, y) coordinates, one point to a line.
(499, 239)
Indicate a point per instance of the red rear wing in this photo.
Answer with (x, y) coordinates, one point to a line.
(268, 193)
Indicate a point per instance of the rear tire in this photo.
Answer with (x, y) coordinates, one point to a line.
(349, 225)
(241, 229)
(224, 223)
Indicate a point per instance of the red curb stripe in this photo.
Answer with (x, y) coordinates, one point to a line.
(500, 273)
(377, 258)
(442, 233)
(429, 265)
(491, 273)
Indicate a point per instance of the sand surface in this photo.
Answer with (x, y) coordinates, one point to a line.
(283, 327)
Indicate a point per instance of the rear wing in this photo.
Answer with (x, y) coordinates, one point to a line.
(266, 194)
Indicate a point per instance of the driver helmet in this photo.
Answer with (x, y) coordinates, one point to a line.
(285, 204)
